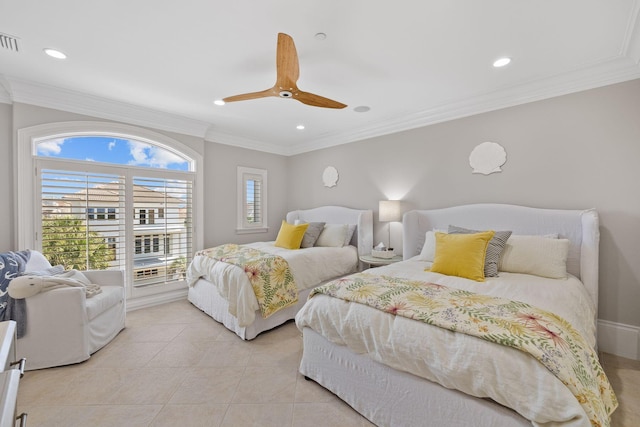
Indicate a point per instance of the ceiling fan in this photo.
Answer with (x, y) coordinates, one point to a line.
(287, 76)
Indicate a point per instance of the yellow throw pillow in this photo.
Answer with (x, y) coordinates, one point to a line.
(290, 236)
(461, 254)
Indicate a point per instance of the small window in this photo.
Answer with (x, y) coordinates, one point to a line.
(167, 245)
(143, 274)
(252, 200)
(112, 246)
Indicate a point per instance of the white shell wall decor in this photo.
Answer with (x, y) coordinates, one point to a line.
(330, 176)
(487, 158)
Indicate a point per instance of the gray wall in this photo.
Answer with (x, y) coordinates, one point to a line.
(572, 152)
(221, 162)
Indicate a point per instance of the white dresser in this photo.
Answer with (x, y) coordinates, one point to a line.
(10, 373)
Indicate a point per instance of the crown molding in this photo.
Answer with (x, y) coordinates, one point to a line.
(606, 73)
(216, 136)
(81, 103)
(614, 70)
(631, 42)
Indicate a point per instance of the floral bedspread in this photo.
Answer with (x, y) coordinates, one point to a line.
(545, 336)
(270, 276)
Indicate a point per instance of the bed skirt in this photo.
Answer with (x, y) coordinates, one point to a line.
(206, 297)
(388, 397)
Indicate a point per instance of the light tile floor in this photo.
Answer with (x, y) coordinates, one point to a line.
(175, 366)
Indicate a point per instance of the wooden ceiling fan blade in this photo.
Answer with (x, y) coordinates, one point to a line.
(317, 100)
(288, 69)
(251, 95)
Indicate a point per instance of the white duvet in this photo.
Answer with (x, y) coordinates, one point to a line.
(469, 364)
(309, 266)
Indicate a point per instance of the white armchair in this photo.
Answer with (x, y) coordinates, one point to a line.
(65, 327)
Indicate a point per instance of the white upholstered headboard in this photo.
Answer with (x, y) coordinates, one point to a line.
(581, 227)
(363, 219)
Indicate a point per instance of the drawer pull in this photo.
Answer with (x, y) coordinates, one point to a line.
(22, 362)
(23, 419)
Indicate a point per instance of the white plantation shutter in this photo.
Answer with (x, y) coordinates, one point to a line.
(252, 199)
(162, 229)
(127, 221)
(83, 223)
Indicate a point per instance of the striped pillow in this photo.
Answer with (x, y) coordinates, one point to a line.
(494, 250)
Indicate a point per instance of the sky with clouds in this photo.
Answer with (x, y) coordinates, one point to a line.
(112, 150)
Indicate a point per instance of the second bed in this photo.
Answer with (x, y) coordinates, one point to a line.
(222, 290)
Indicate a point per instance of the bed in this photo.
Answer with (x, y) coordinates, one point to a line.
(398, 371)
(238, 312)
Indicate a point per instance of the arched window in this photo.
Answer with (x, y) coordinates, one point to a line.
(108, 196)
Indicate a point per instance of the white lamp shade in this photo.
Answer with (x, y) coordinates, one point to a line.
(390, 211)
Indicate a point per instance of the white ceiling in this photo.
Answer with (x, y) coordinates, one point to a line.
(414, 63)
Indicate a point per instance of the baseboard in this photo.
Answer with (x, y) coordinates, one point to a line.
(151, 300)
(619, 339)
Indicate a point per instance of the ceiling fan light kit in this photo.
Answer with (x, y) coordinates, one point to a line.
(288, 72)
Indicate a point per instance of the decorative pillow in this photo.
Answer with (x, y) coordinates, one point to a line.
(37, 261)
(333, 235)
(49, 271)
(494, 250)
(290, 236)
(537, 255)
(351, 228)
(461, 255)
(312, 234)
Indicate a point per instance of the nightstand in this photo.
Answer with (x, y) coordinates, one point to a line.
(377, 262)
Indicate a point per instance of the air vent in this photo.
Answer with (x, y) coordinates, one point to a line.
(9, 42)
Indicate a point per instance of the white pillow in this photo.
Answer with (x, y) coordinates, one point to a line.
(351, 228)
(37, 262)
(428, 252)
(333, 235)
(537, 255)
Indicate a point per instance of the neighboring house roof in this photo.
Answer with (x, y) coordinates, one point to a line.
(111, 193)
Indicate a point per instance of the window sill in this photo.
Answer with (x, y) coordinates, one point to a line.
(252, 230)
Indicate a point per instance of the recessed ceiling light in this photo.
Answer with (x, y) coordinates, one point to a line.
(219, 102)
(300, 127)
(362, 109)
(320, 36)
(501, 62)
(55, 53)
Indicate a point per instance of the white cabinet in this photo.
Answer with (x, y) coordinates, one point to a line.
(10, 373)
